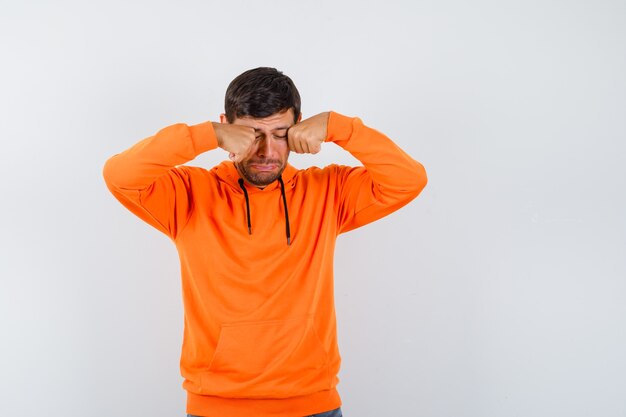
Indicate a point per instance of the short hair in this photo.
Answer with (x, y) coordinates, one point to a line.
(261, 92)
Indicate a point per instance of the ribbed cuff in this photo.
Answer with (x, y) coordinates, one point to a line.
(339, 127)
(203, 137)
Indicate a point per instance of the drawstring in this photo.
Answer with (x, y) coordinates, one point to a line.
(245, 193)
(282, 193)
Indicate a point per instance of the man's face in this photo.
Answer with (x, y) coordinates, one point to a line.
(268, 155)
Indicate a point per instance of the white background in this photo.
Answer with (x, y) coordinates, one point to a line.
(500, 291)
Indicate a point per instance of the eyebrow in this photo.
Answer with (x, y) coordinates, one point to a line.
(273, 130)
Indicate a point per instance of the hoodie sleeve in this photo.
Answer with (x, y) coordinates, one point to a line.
(146, 180)
(388, 179)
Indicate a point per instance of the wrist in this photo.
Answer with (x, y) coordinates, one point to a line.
(217, 128)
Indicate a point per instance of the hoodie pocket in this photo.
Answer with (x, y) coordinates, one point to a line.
(267, 359)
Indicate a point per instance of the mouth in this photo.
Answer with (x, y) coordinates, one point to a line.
(264, 167)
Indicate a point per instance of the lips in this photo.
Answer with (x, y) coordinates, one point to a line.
(264, 167)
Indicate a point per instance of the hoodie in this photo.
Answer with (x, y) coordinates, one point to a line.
(257, 264)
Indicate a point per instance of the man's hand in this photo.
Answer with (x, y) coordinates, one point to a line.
(237, 140)
(308, 135)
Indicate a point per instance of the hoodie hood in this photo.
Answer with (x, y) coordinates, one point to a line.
(227, 172)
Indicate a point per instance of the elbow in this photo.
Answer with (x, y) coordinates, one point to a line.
(109, 172)
(420, 179)
(423, 177)
(413, 181)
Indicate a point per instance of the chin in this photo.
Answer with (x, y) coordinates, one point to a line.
(263, 179)
(260, 178)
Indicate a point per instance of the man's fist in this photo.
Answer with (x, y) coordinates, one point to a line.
(308, 135)
(235, 139)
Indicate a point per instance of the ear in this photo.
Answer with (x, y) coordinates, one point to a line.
(223, 118)
(299, 118)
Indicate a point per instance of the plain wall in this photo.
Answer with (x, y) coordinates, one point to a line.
(500, 291)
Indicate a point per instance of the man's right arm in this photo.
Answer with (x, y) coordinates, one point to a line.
(144, 178)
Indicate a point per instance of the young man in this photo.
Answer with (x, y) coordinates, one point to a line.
(256, 238)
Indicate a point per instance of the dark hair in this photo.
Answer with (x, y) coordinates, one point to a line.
(261, 92)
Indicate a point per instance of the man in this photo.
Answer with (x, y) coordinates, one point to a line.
(256, 238)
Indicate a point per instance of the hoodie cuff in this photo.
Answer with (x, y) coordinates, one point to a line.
(339, 127)
(203, 137)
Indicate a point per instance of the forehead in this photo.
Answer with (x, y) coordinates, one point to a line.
(274, 122)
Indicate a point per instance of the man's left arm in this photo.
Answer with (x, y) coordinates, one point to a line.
(388, 179)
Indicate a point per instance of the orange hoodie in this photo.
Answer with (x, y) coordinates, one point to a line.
(260, 332)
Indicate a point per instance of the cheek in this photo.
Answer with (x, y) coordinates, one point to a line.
(283, 149)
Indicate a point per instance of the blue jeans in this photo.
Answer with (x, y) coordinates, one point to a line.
(332, 413)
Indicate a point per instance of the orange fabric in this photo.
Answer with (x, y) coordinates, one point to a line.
(260, 331)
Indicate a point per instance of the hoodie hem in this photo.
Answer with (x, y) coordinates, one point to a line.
(211, 406)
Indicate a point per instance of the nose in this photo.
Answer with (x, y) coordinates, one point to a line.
(265, 147)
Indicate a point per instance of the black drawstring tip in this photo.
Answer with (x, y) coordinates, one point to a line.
(249, 230)
(288, 241)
